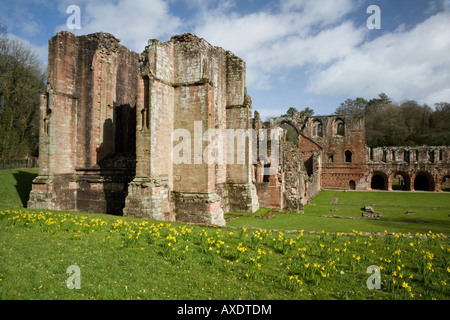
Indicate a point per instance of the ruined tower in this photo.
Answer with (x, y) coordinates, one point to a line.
(110, 127)
(188, 86)
(87, 125)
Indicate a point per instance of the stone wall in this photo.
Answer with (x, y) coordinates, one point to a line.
(188, 86)
(423, 168)
(340, 142)
(287, 176)
(87, 126)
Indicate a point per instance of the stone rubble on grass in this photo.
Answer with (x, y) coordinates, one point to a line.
(371, 213)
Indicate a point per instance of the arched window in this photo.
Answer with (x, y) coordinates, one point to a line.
(348, 156)
(339, 127)
(317, 129)
(431, 156)
(406, 156)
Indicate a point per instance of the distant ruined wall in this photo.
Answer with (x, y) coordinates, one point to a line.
(340, 141)
(292, 181)
(423, 168)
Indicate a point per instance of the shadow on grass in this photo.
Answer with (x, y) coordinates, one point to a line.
(24, 181)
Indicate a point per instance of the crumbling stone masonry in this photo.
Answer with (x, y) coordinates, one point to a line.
(332, 154)
(289, 180)
(86, 142)
(425, 168)
(188, 84)
(108, 120)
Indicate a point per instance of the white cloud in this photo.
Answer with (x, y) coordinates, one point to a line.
(40, 51)
(315, 38)
(413, 64)
(296, 33)
(319, 13)
(132, 21)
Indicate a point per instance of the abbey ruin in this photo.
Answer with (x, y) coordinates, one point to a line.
(169, 134)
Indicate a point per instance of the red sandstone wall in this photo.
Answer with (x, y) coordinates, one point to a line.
(79, 124)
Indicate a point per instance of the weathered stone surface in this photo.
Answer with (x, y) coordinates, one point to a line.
(371, 213)
(87, 125)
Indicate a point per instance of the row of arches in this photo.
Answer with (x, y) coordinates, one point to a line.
(422, 181)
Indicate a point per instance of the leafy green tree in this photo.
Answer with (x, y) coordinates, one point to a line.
(290, 112)
(406, 124)
(307, 112)
(21, 83)
(440, 120)
(352, 107)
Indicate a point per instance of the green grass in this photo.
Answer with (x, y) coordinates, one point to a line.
(15, 187)
(124, 258)
(431, 212)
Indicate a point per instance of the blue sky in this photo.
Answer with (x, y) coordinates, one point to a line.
(299, 53)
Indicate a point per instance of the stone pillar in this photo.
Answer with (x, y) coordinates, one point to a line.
(54, 187)
(242, 192)
(149, 193)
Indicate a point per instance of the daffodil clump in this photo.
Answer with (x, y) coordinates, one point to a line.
(302, 264)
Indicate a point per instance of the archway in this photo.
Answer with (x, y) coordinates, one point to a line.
(348, 156)
(400, 181)
(352, 185)
(423, 182)
(378, 182)
(317, 129)
(339, 127)
(292, 133)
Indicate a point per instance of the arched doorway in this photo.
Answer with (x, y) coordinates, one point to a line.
(352, 185)
(378, 182)
(400, 181)
(292, 133)
(423, 182)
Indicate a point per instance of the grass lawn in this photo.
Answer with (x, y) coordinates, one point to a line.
(124, 258)
(431, 212)
(15, 187)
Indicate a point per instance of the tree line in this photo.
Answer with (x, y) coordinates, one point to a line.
(22, 80)
(392, 124)
(400, 124)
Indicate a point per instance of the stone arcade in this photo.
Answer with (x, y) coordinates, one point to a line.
(108, 138)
